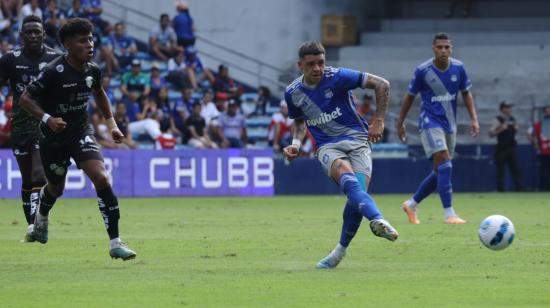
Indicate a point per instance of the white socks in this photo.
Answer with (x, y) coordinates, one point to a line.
(339, 250)
(449, 212)
(412, 204)
(114, 243)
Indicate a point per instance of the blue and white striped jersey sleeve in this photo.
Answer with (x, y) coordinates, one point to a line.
(415, 85)
(349, 79)
(465, 83)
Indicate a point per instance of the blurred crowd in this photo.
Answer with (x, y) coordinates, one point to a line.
(174, 101)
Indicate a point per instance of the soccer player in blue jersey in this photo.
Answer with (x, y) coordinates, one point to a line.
(321, 100)
(438, 80)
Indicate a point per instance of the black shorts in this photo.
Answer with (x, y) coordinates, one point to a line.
(25, 144)
(56, 159)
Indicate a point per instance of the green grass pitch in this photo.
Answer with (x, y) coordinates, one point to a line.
(261, 252)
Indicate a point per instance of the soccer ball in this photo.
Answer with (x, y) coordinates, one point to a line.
(496, 232)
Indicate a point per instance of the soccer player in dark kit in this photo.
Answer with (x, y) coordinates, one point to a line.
(19, 68)
(59, 98)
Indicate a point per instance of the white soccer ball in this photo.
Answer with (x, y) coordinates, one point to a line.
(496, 232)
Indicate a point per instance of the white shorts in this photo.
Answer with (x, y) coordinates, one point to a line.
(358, 153)
(436, 140)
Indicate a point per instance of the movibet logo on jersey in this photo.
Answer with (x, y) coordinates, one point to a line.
(324, 117)
(443, 98)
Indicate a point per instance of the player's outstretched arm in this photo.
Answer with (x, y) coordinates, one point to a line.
(381, 89)
(469, 102)
(405, 107)
(31, 106)
(300, 131)
(105, 106)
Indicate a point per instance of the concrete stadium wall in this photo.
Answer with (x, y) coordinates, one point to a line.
(269, 31)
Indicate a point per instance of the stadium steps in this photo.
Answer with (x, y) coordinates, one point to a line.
(506, 24)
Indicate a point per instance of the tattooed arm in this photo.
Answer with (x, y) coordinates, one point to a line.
(382, 92)
(300, 131)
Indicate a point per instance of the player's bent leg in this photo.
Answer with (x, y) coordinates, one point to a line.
(342, 170)
(108, 207)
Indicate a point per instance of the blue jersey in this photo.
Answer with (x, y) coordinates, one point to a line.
(328, 109)
(439, 91)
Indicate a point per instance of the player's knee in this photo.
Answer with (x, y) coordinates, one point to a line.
(100, 179)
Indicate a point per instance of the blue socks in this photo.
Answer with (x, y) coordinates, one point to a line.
(428, 185)
(444, 185)
(357, 196)
(352, 222)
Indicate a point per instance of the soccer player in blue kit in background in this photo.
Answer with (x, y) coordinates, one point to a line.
(321, 100)
(438, 80)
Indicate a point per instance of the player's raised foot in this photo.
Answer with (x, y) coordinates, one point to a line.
(411, 213)
(28, 234)
(382, 228)
(40, 232)
(454, 220)
(330, 261)
(120, 250)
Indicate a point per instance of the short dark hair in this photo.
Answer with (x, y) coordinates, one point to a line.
(441, 36)
(75, 26)
(164, 15)
(310, 48)
(31, 18)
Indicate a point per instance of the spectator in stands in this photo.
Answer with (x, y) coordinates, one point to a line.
(164, 113)
(135, 85)
(123, 122)
(505, 128)
(157, 82)
(75, 10)
(179, 74)
(179, 114)
(186, 99)
(31, 8)
(163, 41)
(147, 124)
(119, 51)
(5, 123)
(225, 87)
(202, 75)
(54, 18)
(279, 131)
(367, 112)
(208, 109)
(539, 136)
(12, 9)
(166, 141)
(365, 107)
(232, 127)
(101, 131)
(183, 25)
(5, 29)
(196, 125)
(264, 96)
(92, 10)
(106, 83)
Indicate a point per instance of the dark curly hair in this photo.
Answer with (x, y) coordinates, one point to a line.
(75, 26)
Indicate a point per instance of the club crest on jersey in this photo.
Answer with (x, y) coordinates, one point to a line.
(328, 94)
(454, 78)
(89, 81)
(60, 68)
(17, 53)
(42, 65)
